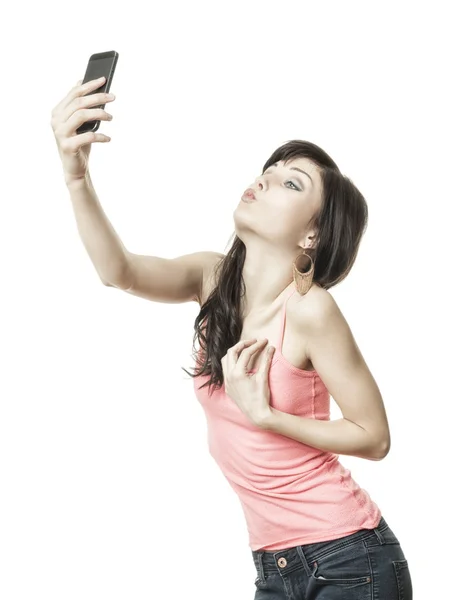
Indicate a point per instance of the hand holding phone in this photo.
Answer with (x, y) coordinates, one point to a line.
(81, 109)
(74, 149)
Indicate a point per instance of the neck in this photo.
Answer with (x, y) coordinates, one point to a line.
(266, 276)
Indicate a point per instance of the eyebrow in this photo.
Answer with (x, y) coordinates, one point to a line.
(295, 169)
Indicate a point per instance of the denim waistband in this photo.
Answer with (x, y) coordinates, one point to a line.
(268, 562)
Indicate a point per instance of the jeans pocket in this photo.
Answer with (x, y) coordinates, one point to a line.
(262, 584)
(403, 578)
(349, 566)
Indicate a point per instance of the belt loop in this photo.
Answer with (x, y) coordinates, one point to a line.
(303, 559)
(259, 556)
(379, 536)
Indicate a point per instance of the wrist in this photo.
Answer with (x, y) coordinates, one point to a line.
(78, 183)
(267, 419)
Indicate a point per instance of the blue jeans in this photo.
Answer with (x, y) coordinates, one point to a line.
(364, 565)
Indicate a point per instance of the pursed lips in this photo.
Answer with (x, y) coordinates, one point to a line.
(249, 195)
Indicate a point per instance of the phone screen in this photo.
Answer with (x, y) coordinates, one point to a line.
(102, 64)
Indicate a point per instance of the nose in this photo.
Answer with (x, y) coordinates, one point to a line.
(259, 184)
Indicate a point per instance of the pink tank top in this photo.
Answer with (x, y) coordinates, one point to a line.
(291, 493)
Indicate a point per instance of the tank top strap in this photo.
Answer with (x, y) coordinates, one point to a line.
(290, 290)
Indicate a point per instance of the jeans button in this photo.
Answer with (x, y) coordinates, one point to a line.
(282, 562)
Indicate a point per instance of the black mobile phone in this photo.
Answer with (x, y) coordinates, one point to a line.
(102, 64)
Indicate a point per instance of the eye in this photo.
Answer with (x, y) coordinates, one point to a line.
(298, 189)
(295, 187)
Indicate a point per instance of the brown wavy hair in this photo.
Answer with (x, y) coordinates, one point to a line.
(340, 223)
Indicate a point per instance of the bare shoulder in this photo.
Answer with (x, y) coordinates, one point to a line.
(316, 309)
(210, 274)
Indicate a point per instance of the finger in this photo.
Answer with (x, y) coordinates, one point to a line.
(237, 348)
(232, 354)
(73, 143)
(72, 120)
(249, 346)
(245, 342)
(79, 90)
(64, 102)
(247, 354)
(267, 361)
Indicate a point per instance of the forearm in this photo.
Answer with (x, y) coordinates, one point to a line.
(339, 436)
(102, 243)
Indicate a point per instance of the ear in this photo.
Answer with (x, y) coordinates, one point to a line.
(309, 241)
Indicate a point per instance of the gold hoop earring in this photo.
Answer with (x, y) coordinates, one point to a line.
(303, 280)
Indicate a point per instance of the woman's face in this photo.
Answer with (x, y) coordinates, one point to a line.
(287, 195)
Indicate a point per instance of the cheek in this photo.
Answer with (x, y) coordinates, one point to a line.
(287, 215)
(299, 212)
(280, 226)
(287, 221)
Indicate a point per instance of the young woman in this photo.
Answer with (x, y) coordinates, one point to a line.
(274, 347)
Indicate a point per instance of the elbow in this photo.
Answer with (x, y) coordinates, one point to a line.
(382, 450)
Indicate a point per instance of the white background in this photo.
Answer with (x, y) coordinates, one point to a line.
(107, 487)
